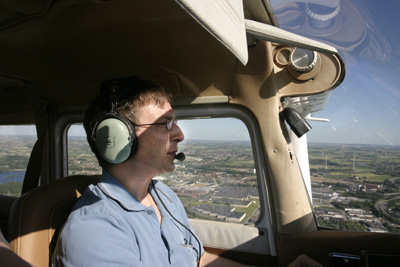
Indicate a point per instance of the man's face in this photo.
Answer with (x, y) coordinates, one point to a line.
(157, 146)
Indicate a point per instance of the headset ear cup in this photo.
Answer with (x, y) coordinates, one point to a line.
(115, 139)
(132, 136)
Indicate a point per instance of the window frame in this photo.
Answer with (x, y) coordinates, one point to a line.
(265, 221)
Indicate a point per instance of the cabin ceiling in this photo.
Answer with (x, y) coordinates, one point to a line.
(60, 51)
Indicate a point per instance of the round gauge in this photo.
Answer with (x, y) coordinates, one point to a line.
(303, 60)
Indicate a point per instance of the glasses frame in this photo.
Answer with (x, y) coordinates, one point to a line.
(169, 124)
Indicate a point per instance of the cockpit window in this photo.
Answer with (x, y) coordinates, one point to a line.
(81, 160)
(16, 144)
(217, 180)
(354, 156)
(356, 187)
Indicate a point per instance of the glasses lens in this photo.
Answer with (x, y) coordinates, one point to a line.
(170, 123)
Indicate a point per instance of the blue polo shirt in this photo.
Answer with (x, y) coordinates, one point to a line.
(109, 227)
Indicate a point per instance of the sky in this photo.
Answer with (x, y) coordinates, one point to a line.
(365, 108)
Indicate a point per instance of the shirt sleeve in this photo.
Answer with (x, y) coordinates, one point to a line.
(96, 240)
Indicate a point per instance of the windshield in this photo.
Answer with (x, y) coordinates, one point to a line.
(365, 108)
(355, 157)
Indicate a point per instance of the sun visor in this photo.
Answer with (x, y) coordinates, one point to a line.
(224, 19)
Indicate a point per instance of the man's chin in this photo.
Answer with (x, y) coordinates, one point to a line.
(170, 168)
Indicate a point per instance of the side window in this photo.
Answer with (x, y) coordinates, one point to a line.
(81, 159)
(217, 181)
(16, 143)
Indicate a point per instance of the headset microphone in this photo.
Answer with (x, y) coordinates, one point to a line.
(180, 156)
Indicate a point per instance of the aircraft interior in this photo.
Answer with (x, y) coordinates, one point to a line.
(219, 59)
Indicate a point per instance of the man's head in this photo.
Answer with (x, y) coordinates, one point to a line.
(129, 99)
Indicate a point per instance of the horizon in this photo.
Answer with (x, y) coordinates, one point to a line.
(216, 140)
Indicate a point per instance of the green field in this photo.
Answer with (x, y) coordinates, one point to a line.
(367, 162)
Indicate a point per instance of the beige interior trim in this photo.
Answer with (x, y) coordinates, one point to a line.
(231, 236)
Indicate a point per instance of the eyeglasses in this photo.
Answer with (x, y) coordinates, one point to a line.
(168, 124)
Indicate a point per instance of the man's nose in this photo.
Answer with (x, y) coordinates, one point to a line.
(177, 134)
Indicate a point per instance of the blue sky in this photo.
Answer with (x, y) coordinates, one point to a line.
(365, 108)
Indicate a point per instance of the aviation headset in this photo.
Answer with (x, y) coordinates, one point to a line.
(114, 136)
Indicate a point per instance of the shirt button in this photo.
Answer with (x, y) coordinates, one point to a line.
(149, 212)
(172, 252)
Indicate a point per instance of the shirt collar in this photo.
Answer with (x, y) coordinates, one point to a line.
(114, 190)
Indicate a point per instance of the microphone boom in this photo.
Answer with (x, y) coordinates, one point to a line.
(180, 156)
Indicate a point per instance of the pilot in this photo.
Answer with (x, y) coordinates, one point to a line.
(128, 218)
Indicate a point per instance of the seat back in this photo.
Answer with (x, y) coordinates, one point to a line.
(37, 216)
